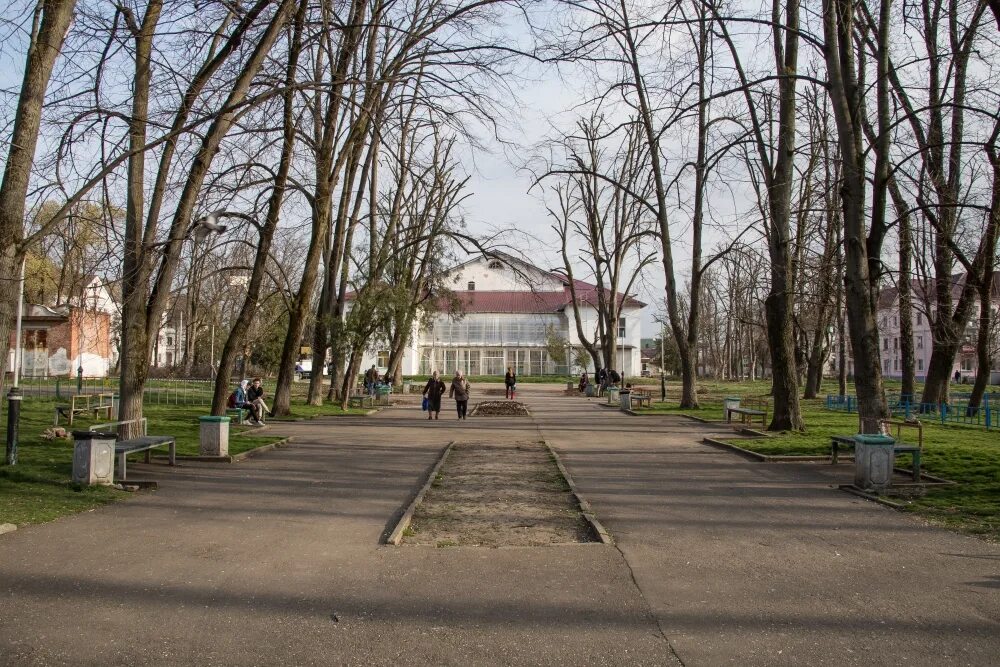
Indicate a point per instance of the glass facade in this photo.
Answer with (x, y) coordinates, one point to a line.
(489, 330)
(488, 361)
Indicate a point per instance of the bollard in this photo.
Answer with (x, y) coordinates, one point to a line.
(93, 457)
(874, 459)
(213, 436)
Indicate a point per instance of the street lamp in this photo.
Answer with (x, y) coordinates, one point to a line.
(14, 395)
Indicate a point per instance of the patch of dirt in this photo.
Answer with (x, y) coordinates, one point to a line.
(495, 495)
(500, 409)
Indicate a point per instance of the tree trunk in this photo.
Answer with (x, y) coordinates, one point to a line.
(43, 50)
(237, 335)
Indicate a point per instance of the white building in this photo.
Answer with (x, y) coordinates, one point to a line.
(512, 311)
(965, 363)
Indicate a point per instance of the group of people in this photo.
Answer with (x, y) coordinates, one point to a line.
(605, 378)
(434, 391)
(249, 396)
(373, 379)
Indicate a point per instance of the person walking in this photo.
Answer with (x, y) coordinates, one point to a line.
(509, 382)
(460, 391)
(433, 391)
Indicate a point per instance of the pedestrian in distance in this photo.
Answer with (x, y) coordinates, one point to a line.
(460, 391)
(584, 381)
(433, 391)
(509, 383)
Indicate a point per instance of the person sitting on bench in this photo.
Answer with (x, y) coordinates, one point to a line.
(255, 396)
(238, 399)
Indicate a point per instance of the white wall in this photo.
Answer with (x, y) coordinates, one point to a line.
(506, 279)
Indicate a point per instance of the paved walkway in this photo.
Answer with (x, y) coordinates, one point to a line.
(276, 560)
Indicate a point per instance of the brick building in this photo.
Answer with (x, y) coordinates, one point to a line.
(56, 341)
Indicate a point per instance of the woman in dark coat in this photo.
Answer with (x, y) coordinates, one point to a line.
(433, 391)
(509, 381)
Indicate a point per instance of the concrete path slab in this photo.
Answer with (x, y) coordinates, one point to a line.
(753, 563)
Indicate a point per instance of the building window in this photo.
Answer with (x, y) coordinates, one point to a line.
(170, 358)
(496, 264)
(170, 342)
(895, 321)
(895, 343)
(920, 342)
(472, 285)
(895, 364)
(885, 343)
(920, 364)
(967, 364)
(920, 318)
(621, 327)
(886, 364)
(382, 359)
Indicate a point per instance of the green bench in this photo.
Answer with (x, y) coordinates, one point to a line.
(900, 447)
(750, 407)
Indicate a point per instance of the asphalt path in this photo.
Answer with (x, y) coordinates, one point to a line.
(278, 560)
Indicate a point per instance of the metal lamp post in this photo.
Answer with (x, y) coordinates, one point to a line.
(14, 395)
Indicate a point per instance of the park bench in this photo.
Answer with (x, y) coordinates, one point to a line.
(138, 443)
(85, 404)
(642, 396)
(749, 408)
(359, 400)
(239, 415)
(901, 447)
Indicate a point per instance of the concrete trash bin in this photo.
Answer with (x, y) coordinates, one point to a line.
(94, 458)
(589, 390)
(213, 436)
(729, 403)
(406, 386)
(626, 398)
(874, 459)
(570, 384)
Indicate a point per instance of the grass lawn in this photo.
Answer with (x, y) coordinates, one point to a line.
(968, 455)
(38, 488)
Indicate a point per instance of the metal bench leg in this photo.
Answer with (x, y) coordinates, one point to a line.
(834, 452)
(173, 453)
(121, 465)
(916, 466)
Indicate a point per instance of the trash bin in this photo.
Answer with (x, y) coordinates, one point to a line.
(93, 457)
(589, 390)
(213, 435)
(406, 386)
(570, 384)
(626, 398)
(728, 403)
(874, 459)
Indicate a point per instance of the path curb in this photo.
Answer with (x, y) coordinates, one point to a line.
(230, 458)
(396, 536)
(585, 508)
(766, 458)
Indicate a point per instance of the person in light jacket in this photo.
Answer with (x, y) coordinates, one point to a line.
(460, 391)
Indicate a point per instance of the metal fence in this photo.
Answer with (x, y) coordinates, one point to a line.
(957, 411)
(157, 391)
